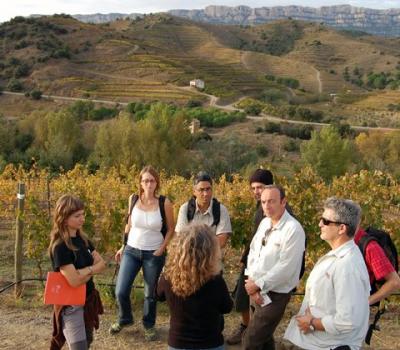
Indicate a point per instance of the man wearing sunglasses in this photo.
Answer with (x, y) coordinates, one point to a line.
(273, 268)
(335, 311)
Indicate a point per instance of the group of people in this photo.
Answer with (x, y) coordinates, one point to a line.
(335, 310)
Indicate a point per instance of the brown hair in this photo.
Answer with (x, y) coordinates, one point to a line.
(65, 207)
(194, 257)
(149, 169)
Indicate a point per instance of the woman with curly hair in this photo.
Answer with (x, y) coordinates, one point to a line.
(74, 255)
(195, 291)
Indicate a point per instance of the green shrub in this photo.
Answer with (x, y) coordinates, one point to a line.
(102, 113)
(15, 85)
(36, 94)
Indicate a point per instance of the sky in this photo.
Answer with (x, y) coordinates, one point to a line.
(27, 7)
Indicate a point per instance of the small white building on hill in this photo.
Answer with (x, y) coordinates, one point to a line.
(197, 83)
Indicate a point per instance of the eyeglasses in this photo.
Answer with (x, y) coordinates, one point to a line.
(204, 189)
(327, 222)
(148, 181)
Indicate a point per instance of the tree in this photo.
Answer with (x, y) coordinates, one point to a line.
(380, 151)
(164, 138)
(116, 143)
(57, 140)
(161, 139)
(327, 153)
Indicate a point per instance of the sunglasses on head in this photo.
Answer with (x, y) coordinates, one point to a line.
(327, 222)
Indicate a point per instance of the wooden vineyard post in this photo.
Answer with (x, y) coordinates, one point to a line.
(19, 239)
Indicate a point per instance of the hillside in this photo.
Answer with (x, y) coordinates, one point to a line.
(153, 58)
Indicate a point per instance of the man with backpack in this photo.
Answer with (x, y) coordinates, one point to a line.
(202, 208)
(380, 258)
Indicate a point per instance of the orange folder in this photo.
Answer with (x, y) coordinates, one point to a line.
(59, 292)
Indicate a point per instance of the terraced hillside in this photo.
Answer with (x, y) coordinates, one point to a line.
(155, 57)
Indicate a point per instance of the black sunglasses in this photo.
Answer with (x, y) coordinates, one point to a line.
(327, 222)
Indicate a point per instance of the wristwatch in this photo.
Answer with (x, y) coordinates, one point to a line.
(90, 269)
(310, 326)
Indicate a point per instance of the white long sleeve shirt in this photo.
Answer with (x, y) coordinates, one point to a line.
(337, 291)
(275, 266)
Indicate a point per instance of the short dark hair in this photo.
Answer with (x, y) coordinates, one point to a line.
(281, 190)
(202, 176)
(263, 176)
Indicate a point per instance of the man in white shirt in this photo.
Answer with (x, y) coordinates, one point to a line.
(273, 268)
(335, 310)
(202, 208)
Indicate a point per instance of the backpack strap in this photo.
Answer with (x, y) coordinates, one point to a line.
(161, 204)
(133, 198)
(191, 208)
(216, 210)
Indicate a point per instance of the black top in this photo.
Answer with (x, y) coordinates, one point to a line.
(196, 321)
(80, 258)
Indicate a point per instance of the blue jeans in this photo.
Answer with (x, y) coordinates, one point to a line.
(132, 260)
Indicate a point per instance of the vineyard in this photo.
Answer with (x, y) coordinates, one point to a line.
(105, 194)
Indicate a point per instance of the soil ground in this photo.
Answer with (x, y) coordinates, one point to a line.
(26, 324)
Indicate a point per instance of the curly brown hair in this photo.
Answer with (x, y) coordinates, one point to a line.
(194, 257)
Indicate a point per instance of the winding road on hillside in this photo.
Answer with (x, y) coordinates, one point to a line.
(213, 102)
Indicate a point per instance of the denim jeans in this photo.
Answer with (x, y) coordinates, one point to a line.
(132, 260)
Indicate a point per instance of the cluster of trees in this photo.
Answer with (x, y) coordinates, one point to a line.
(302, 132)
(255, 107)
(140, 134)
(333, 151)
(287, 81)
(372, 80)
(214, 117)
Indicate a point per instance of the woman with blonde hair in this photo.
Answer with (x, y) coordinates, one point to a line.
(149, 228)
(196, 293)
(74, 255)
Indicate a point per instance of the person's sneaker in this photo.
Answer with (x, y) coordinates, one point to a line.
(117, 327)
(236, 337)
(150, 334)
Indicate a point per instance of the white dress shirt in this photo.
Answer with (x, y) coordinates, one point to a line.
(337, 291)
(275, 266)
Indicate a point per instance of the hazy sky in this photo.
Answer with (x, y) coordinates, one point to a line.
(27, 7)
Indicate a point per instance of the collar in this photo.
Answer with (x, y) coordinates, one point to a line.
(341, 251)
(282, 220)
(208, 211)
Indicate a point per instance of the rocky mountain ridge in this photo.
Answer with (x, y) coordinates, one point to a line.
(377, 22)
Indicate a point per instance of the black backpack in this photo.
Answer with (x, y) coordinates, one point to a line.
(385, 241)
(216, 210)
(161, 204)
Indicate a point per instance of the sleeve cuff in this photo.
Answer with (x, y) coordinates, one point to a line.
(261, 284)
(327, 322)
